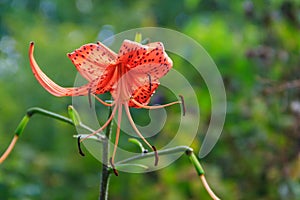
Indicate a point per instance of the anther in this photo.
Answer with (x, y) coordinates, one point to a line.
(90, 98)
(113, 167)
(79, 146)
(149, 77)
(156, 156)
(183, 105)
(145, 151)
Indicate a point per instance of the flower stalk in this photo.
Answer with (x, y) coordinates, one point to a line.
(195, 161)
(22, 125)
(107, 169)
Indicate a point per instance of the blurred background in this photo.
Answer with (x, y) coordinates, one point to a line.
(255, 44)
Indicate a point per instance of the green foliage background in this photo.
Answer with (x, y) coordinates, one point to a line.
(255, 44)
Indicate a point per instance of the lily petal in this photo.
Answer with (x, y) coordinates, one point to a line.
(51, 86)
(145, 65)
(91, 60)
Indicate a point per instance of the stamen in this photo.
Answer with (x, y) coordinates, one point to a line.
(145, 151)
(113, 167)
(79, 146)
(117, 133)
(183, 105)
(103, 102)
(104, 125)
(156, 155)
(154, 107)
(134, 126)
(139, 133)
(90, 98)
(149, 76)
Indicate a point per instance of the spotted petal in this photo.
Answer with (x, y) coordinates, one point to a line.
(92, 59)
(143, 94)
(145, 65)
(93, 86)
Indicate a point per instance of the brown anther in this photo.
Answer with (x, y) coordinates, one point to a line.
(90, 98)
(150, 84)
(113, 167)
(79, 146)
(156, 156)
(183, 105)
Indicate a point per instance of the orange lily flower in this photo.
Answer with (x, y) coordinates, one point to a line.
(131, 76)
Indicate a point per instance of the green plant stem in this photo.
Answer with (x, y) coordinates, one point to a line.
(151, 154)
(193, 158)
(31, 111)
(189, 152)
(195, 161)
(106, 170)
(35, 110)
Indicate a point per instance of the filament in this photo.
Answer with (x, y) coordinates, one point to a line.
(139, 133)
(154, 107)
(104, 125)
(117, 133)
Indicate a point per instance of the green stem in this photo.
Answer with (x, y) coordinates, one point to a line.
(160, 152)
(31, 111)
(106, 169)
(189, 152)
(105, 174)
(35, 110)
(195, 161)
